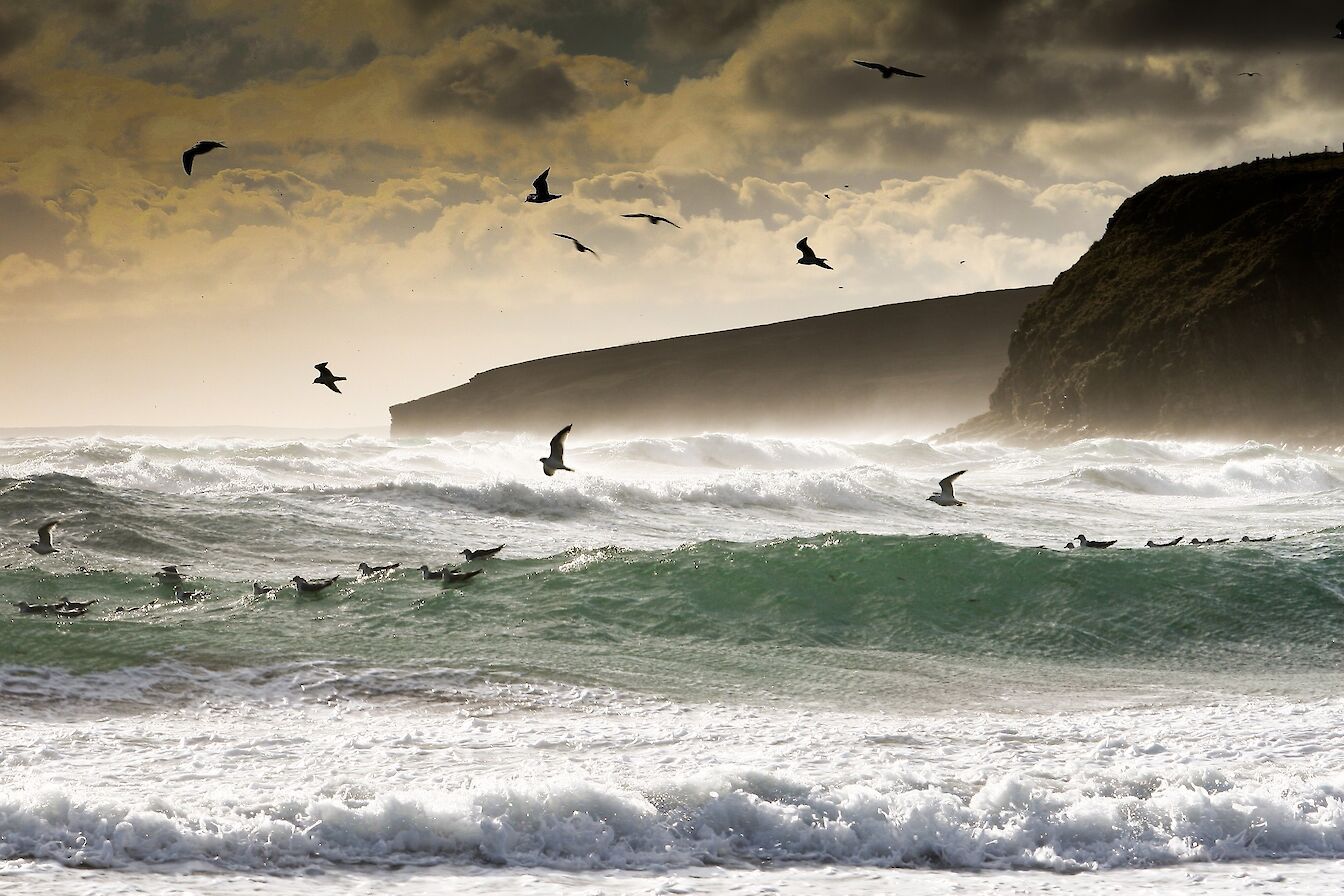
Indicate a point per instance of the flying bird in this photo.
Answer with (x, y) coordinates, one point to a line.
(542, 192)
(43, 543)
(627, 81)
(944, 497)
(557, 459)
(169, 576)
(482, 554)
(578, 246)
(326, 378)
(1250, 74)
(200, 147)
(810, 257)
(888, 70)
(653, 219)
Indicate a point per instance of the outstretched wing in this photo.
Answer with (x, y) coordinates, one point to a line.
(656, 218)
(321, 368)
(901, 71)
(558, 443)
(804, 248)
(540, 183)
(874, 65)
(946, 483)
(44, 530)
(187, 158)
(637, 215)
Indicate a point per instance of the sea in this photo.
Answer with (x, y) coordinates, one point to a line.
(709, 664)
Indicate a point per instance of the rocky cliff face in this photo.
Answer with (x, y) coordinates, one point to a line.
(1212, 306)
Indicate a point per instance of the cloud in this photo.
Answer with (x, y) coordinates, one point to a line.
(704, 27)
(504, 75)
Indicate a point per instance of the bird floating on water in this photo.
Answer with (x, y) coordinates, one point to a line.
(200, 147)
(367, 570)
(1246, 538)
(810, 257)
(888, 70)
(945, 498)
(260, 590)
(1166, 544)
(556, 460)
(1084, 542)
(308, 587)
(43, 543)
(653, 219)
(430, 575)
(326, 378)
(541, 192)
(454, 575)
(578, 246)
(482, 554)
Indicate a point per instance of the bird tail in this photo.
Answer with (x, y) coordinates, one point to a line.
(570, 469)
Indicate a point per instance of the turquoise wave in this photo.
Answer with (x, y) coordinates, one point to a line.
(833, 598)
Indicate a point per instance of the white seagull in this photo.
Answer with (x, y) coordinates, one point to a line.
(945, 498)
(557, 459)
(43, 543)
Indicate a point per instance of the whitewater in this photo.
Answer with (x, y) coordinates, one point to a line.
(713, 664)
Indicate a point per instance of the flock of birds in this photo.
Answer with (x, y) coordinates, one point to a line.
(183, 594)
(553, 462)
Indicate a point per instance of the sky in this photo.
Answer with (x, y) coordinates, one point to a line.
(368, 209)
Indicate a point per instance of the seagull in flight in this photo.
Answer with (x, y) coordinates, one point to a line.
(1249, 74)
(945, 498)
(43, 543)
(653, 219)
(557, 459)
(200, 147)
(326, 378)
(810, 257)
(888, 70)
(542, 193)
(580, 247)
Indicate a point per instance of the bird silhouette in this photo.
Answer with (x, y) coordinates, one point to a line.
(888, 70)
(326, 378)
(542, 193)
(653, 219)
(578, 246)
(810, 257)
(1249, 74)
(200, 147)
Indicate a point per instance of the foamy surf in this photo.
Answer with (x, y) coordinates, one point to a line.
(701, 658)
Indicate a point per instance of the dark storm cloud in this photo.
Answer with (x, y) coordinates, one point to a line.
(28, 226)
(16, 29)
(13, 97)
(161, 42)
(361, 52)
(698, 27)
(500, 81)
